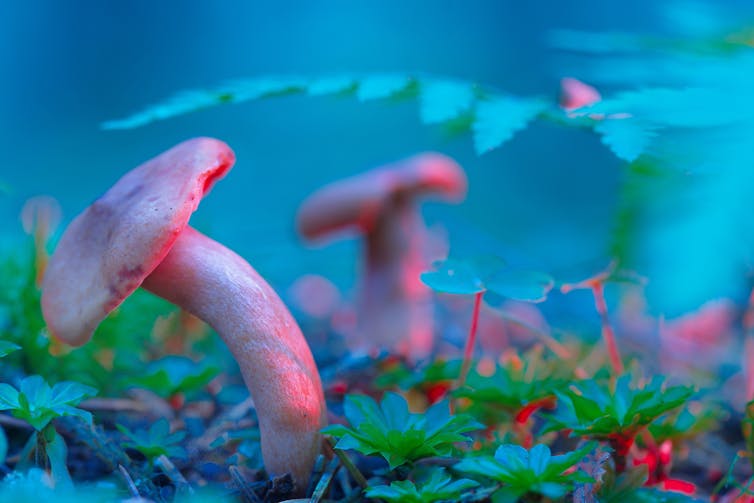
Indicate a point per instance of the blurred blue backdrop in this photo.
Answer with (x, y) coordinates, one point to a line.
(546, 198)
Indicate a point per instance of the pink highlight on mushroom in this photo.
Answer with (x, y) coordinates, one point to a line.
(135, 235)
(395, 307)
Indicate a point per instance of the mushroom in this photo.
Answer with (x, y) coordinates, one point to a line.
(395, 308)
(136, 234)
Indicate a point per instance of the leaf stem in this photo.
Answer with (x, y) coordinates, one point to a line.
(608, 335)
(468, 351)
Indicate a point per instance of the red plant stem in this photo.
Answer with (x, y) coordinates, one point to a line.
(468, 351)
(598, 290)
(748, 351)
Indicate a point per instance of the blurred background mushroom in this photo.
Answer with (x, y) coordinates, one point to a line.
(394, 308)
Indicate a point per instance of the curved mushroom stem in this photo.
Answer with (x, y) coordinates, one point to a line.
(396, 306)
(210, 281)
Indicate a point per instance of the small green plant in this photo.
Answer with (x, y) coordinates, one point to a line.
(616, 413)
(155, 441)
(172, 377)
(38, 404)
(529, 475)
(478, 275)
(392, 431)
(439, 487)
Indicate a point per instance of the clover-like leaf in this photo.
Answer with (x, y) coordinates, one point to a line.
(529, 286)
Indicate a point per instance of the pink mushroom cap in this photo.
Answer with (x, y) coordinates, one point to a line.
(355, 203)
(110, 248)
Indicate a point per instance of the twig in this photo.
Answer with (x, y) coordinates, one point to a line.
(129, 481)
(247, 492)
(348, 464)
(220, 424)
(114, 404)
(325, 481)
(173, 473)
(12, 422)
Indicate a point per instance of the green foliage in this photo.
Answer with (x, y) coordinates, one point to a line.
(526, 472)
(685, 423)
(3, 446)
(436, 372)
(392, 431)
(631, 486)
(495, 116)
(513, 386)
(36, 485)
(439, 487)
(487, 274)
(499, 118)
(155, 441)
(7, 347)
(599, 411)
(687, 106)
(124, 333)
(36, 403)
(173, 374)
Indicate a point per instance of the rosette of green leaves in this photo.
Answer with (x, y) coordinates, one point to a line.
(439, 487)
(393, 432)
(600, 411)
(155, 441)
(513, 386)
(525, 473)
(37, 403)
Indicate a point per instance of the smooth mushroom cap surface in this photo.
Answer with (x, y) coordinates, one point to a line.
(357, 202)
(108, 250)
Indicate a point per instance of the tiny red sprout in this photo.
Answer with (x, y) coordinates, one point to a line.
(437, 392)
(525, 413)
(679, 486)
(177, 401)
(596, 284)
(339, 387)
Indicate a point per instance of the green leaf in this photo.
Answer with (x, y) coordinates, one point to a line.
(529, 286)
(57, 453)
(70, 393)
(455, 277)
(443, 100)
(627, 138)
(498, 119)
(176, 374)
(8, 397)
(376, 87)
(3, 446)
(332, 85)
(7, 347)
